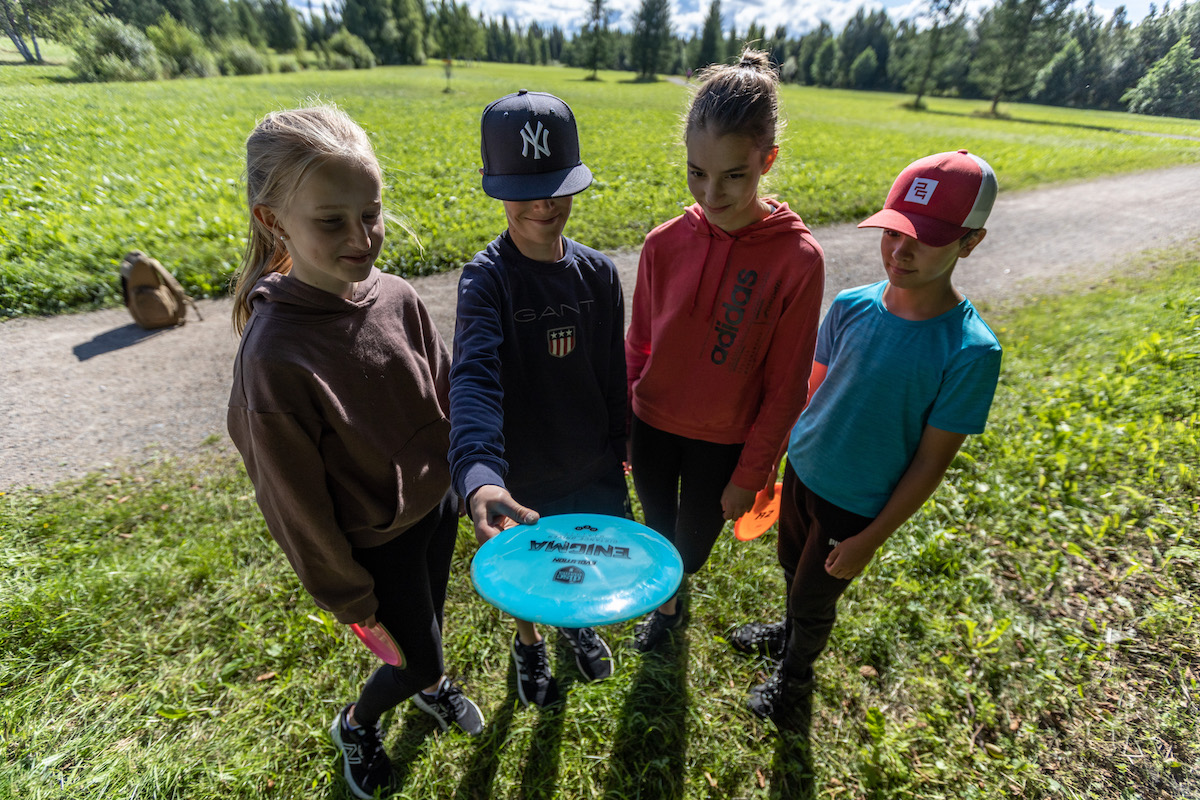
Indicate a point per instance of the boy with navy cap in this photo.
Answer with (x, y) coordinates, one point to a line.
(537, 385)
(905, 370)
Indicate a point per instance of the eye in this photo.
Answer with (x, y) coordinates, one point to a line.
(330, 221)
(695, 173)
(735, 176)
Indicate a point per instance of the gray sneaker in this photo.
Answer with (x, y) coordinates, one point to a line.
(535, 684)
(765, 639)
(451, 707)
(649, 633)
(593, 656)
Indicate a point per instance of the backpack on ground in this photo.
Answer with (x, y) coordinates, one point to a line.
(152, 295)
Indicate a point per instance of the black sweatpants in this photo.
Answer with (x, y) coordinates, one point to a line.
(809, 528)
(679, 482)
(411, 573)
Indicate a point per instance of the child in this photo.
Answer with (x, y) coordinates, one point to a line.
(339, 408)
(724, 324)
(537, 389)
(905, 370)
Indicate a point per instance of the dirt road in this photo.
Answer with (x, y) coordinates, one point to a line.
(83, 391)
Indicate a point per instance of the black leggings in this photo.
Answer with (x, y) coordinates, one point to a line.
(411, 573)
(679, 482)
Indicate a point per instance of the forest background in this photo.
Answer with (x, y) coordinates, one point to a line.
(1048, 51)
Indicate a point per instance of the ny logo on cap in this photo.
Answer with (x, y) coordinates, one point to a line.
(539, 140)
(921, 191)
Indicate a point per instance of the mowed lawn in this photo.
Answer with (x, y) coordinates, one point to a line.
(93, 171)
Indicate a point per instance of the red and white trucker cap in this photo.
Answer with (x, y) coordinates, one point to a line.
(939, 198)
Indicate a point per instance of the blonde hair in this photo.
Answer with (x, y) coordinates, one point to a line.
(281, 151)
(741, 99)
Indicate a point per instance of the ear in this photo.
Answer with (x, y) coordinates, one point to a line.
(266, 217)
(769, 160)
(972, 243)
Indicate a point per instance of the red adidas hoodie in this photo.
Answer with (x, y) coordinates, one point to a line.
(723, 332)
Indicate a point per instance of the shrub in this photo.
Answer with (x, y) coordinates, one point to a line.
(181, 50)
(236, 56)
(110, 50)
(351, 48)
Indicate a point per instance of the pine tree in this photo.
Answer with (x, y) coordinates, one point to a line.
(1172, 86)
(711, 46)
(594, 38)
(651, 36)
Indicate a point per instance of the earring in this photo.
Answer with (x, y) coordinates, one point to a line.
(283, 237)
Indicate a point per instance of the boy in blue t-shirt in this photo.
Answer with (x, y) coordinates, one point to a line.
(905, 370)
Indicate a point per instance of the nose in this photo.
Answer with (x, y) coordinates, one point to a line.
(901, 246)
(544, 204)
(360, 236)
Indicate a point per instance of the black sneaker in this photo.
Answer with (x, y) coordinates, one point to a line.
(592, 654)
(451, 707)
(365, 764)
(782, 699)
(650, 632)
(535, 684)
(761, 639)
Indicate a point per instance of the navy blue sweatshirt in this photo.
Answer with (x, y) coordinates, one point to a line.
(537, 385)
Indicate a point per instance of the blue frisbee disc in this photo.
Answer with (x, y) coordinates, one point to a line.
(577, 570)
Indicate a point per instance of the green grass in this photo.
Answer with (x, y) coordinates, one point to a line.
(92, 171)
(1031, 633)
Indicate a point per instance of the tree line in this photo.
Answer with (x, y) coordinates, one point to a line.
(1016, 50)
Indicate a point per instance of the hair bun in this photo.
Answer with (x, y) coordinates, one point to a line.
(755, 59)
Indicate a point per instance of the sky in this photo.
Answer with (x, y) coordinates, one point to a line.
(799, 16)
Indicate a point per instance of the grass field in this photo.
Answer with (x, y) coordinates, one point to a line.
(1031, 634)
(88, 172)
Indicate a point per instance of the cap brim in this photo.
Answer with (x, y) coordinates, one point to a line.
(930, 231)
(560, 183)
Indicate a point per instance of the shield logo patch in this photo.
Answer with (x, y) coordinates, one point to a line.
(561, 341)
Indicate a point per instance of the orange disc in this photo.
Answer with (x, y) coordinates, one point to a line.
(754, 523)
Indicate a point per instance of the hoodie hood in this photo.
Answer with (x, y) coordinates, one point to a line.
(288, 298)
(719, 244)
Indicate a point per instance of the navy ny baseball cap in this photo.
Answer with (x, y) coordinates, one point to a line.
(531, 148)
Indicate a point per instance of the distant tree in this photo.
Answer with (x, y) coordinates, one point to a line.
(372, 21)
(810, 44)
(594, 37)
(410, 25)
(712, 48)
(1172, 86)
(111, 50)
(651, 40)
(1063, 81)
(872, 30)
(1016, 39)
(825, 66)
(247, 17)
(282, 27)
(930, 46)
(181, 51)
(864, 69)
(26, 20)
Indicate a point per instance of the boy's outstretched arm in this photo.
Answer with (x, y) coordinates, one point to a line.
(924, 473)
(492, 508)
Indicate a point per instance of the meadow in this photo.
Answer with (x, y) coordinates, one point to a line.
(89, 172)
(1031, 633)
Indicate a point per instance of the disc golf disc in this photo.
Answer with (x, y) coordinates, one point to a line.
(380, 642)
(762, 515)
(577, 570)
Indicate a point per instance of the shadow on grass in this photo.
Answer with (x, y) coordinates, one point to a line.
(793, 776)
(477, 780)
(648, 757)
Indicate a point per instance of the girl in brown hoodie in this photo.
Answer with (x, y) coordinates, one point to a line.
(340, 410)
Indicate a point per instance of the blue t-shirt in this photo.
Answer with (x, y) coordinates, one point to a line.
(887, 379)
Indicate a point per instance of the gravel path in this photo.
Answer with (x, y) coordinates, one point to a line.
(74, 384)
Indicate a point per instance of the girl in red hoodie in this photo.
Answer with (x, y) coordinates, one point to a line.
(725, 314)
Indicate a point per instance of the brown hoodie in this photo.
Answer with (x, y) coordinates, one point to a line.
(340, 411)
